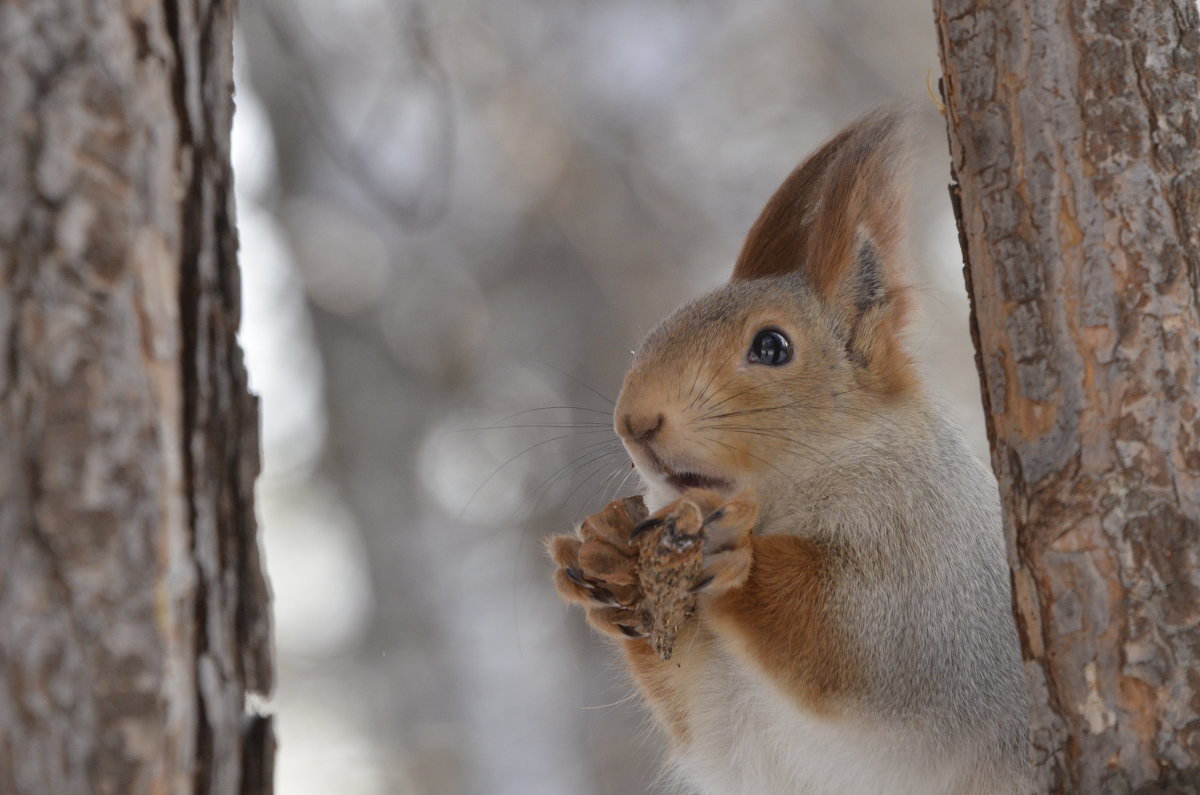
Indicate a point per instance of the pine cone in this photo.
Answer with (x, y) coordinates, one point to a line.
(670, 558)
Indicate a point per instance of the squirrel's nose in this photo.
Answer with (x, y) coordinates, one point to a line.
(643, 428)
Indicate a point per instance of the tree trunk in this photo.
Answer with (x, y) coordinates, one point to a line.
(133, 609)
(1074, 133)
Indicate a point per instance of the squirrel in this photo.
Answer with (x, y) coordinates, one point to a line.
(852, 630)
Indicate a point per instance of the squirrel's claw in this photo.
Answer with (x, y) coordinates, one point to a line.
(645, 527)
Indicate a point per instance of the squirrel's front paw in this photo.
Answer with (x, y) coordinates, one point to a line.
(598, 568)
(725, 528)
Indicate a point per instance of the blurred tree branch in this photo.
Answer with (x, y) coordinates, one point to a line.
(419, 202)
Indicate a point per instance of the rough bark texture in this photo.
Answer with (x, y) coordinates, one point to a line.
(1075, 139)
(133, 609)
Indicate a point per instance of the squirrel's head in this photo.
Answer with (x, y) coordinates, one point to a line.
(792, 365)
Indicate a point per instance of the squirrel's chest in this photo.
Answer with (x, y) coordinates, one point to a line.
(744, 737)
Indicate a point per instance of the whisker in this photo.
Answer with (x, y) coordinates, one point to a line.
(567, 500)
(879, 416)
(706, 422)
(624, 480)
(534, 499)
(692, 390)
(600, 489)
(784, 435)
(462, 511)
(708, 384)
(796, 442)
(583, 384)
(570, 468)
(753, 387)
(763, 461)
(554, 408)
(629, 697)
(597, 427)
(613, 486)
(750, 388)
(629, 469)
(759, 410)
(802, 405)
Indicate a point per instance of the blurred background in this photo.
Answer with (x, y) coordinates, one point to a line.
(457, 219)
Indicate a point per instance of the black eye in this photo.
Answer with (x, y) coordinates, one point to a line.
(771, 347)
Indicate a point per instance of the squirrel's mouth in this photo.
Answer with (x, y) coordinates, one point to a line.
(683, 480)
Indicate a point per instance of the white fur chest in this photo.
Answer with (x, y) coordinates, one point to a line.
(745, 738)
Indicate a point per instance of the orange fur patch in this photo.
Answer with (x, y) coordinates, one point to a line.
(781, 622)
(663, 683)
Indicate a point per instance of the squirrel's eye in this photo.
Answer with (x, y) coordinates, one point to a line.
(771, 347)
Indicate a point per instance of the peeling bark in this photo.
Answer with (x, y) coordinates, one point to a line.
(133, 608)
(1074, 132)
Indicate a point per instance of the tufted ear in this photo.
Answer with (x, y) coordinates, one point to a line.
(839, 221)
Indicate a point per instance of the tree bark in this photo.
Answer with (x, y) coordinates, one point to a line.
(133, 608)
(1074, 133)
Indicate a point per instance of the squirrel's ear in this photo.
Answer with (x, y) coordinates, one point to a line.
(839, 221)
(849, 191)
(778, 240)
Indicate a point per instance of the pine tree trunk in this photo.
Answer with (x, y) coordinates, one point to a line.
(133, 609)
(1075, 140)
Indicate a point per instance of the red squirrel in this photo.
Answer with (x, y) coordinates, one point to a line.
(853, 630)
